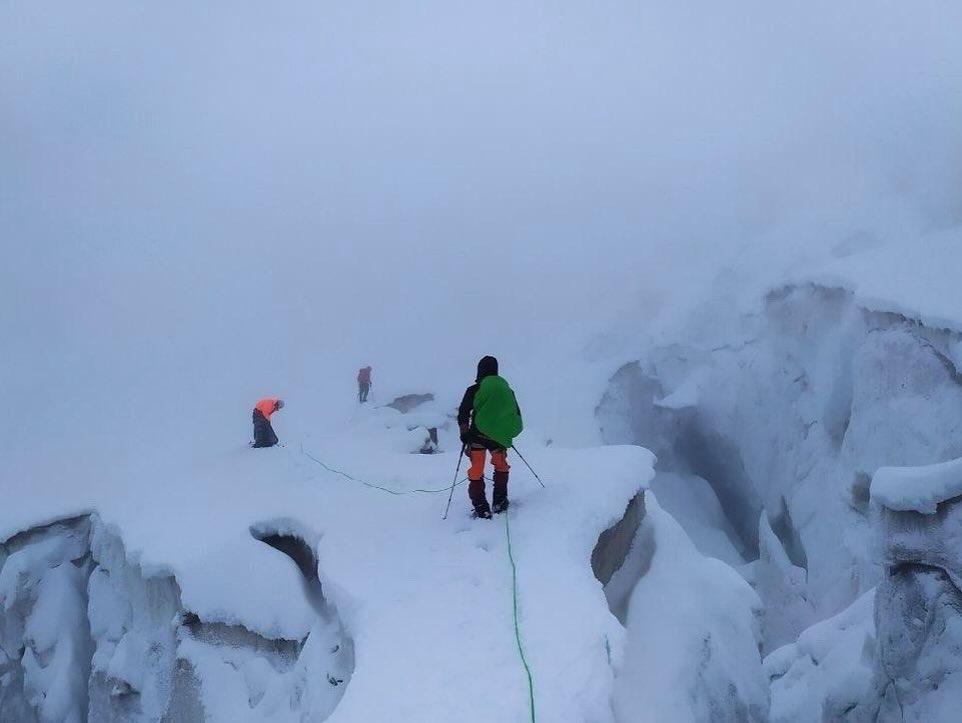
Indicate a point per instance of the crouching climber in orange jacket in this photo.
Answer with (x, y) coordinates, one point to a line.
(263, 431)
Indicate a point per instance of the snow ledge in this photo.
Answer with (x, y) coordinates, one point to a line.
(921, 489)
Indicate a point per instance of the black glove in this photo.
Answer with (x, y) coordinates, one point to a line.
(465, 438)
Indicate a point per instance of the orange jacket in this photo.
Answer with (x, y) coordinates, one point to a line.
(364, 375)
(266, 406)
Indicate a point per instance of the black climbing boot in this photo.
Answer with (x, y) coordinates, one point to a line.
(499, 497)
(480, 502)
(482, 511)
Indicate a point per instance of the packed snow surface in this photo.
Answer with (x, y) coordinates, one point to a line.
(427, 602)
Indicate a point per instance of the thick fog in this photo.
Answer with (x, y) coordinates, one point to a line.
(201, 203)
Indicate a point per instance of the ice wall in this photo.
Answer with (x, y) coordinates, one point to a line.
(918, 608)
(787, 413)
(86, 635)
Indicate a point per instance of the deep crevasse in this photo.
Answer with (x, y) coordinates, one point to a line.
(787, 423)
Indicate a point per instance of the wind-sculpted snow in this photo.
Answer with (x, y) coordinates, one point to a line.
(692, 652)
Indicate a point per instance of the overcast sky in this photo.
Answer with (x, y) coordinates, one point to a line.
(226, 197)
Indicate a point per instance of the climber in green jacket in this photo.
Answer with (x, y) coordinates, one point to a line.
(489, 419)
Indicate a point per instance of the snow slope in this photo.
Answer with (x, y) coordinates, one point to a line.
(426, 603)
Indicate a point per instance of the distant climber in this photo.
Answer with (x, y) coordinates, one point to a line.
(263, 431)
(363, 383)
(489, 418)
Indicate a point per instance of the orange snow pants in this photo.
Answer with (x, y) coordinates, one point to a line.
(499, 460)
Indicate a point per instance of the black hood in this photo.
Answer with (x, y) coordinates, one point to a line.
(487, 367)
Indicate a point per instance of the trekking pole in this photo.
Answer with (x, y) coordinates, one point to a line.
(457, 471)
(521, 457)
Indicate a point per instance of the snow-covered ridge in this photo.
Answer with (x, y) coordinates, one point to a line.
(204, 620)
(918, 281)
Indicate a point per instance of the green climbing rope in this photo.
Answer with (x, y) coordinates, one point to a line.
(371, 484)
(514, 568)
(517, 630)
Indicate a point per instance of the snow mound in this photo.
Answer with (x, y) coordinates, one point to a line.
(921, 489)
(828, 670)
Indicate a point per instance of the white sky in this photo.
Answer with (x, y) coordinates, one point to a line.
(203, 202)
